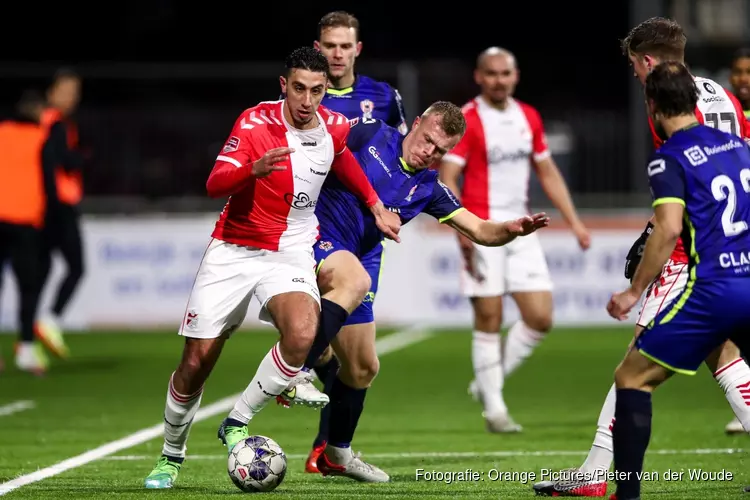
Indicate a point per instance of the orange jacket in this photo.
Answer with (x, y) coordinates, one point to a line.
(22, 195)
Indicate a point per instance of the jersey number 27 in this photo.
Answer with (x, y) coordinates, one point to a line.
(723, 188)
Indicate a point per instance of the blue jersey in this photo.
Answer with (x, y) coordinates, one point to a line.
(708, 171)
(402, 190)
(366, 100)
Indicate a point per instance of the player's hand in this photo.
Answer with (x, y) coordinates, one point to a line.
(527, 225)
(388, 222)
(467, 252)
(582, 235)
(621, 303)
(269, 162)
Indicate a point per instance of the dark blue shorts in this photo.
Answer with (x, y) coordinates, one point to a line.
(371, 261)
(703, 317)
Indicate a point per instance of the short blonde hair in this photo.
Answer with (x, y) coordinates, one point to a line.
(453, 122)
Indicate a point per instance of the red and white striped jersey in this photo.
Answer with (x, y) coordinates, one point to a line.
(717, 108)
(496, 154)
(277, 212)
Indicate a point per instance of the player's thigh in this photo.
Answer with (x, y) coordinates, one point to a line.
(526, 266)
(355, 349)
(372, 265)
(636, 371)
(490, 265)
(222, 290)
(341, 277)
(663, 292)
(288, 293)
(683, 335)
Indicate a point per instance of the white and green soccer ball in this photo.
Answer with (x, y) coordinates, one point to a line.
(257, 464)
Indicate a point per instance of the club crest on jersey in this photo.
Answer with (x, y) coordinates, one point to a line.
(411, 192)
(233, 144)
(191, 319)
(326, 246)
(367, 107)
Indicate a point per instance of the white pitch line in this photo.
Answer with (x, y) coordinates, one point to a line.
(467, 454)
(403, 339)
(15, 407)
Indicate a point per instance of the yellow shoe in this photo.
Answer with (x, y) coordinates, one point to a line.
(50, 335)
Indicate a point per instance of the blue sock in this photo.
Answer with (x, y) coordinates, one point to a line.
(346, 405)
(332, 318)
(326, 373)
(630, 435)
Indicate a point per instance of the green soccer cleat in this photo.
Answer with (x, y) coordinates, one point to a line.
(230, 435)
(164, 474)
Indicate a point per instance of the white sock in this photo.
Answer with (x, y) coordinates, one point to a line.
(602, 450)
(272, 377)
(519, 345)
(734, 379)
(488, 371)
(178, 418)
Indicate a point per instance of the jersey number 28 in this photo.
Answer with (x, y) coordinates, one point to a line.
(723, 188)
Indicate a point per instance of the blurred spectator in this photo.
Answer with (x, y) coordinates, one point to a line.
(63, 234)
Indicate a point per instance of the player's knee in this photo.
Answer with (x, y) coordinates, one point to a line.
(362, 373)
(539, 322)
(194, 366)
(358, 285)
(621, 378)
(296, 339)
(487, 321)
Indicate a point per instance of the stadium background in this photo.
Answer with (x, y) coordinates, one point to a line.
(164, 81)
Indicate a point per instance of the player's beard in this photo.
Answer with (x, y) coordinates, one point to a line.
(302, 121)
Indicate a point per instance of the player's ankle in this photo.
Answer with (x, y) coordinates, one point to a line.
(339, 453)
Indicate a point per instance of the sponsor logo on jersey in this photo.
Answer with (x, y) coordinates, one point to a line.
(376, 155)
(497, 155)
(300, 201)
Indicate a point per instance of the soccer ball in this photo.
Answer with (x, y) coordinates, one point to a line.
(257, 464)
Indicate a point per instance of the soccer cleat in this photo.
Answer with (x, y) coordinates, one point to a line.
(571, 486)
(50, 335)
(311, 465)
(230, 435)
(164, 474)
(734, 427)
(301, 391)
(30, 357)
(501, 424)
(355, 468)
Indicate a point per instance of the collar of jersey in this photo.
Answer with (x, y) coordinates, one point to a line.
(407, 167)
(347, 90)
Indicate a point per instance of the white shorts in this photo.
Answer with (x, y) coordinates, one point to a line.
(663, 291)
(230, 275)
(519, 266)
